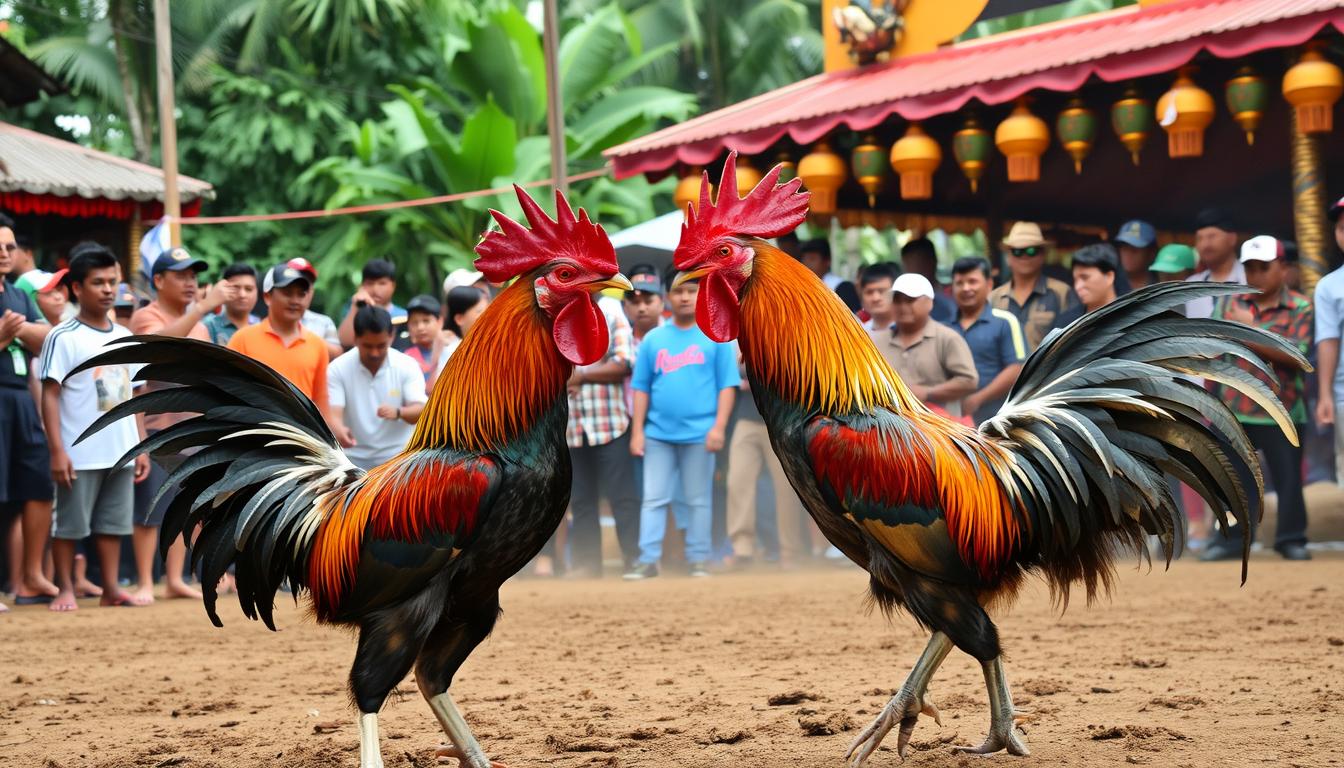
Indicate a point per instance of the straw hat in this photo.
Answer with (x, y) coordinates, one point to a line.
(1024, 234)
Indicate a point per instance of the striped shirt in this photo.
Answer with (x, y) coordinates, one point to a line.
(598, 413)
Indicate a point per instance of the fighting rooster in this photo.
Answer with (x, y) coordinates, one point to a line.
(413, 552)
(948, 520)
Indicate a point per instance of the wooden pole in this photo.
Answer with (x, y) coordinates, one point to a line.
(1309, 215)
(163, 45)
(555, 102)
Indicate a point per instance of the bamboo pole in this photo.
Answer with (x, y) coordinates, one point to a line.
(163, 46)
(1308, 208)
(555, 102)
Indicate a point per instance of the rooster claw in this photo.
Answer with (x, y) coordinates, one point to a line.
(904, 708)
(463, 761)
(1000, 739)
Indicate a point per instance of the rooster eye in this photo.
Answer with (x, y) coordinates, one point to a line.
(724, 251)
(565, 274)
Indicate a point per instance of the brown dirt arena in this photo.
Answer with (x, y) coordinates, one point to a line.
(1180, 669)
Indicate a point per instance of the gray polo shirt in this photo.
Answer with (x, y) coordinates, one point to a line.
(938, 356)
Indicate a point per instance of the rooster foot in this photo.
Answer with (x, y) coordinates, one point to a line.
(904, 708)
(1001, 737)
(449, 750)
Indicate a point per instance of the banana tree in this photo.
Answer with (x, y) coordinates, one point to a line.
(483, 126)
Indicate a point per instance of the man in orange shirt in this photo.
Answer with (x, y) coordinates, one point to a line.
(175, 312)
(281, 342)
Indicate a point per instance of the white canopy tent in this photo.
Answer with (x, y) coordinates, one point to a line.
(649, 242)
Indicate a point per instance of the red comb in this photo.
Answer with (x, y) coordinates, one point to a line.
(769, 210)
(513, 249)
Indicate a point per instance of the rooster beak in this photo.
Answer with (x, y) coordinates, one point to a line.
(694, 274)
(619, 282)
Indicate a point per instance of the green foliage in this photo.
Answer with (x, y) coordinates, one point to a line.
(1057, 12)
(292, 104)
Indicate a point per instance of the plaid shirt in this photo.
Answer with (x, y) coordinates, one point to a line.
(598, 411)
(1292, 319)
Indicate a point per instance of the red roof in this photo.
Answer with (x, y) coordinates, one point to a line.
(1117, 45)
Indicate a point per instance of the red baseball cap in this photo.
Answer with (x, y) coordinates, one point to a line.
(303, 265)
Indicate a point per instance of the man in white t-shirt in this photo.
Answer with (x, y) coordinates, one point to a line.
(375, 392)
(93, 494)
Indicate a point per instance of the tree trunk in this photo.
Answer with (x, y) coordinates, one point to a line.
(134, 117)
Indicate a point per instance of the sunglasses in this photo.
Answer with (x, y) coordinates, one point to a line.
(1026, 253)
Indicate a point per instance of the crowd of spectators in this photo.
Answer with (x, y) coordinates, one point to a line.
(652, 424)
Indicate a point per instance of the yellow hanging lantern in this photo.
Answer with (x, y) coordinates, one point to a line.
(747, 176)
(1184, 112)
(788, 170)
(970, 146)
(1023, 138)
(870, 167)
(1077, 129)
(1247, 97)
(915, 157)
(823, 173)
(1312, 86)
(1131, 118)
(688, 189)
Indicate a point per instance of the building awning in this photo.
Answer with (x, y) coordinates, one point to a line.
(44, 175)
(1126, 43)
(22, 81)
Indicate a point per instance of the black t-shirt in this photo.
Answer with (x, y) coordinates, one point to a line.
(13, 298)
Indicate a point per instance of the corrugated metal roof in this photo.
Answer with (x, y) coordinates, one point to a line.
(1116, 45)
(42, 165)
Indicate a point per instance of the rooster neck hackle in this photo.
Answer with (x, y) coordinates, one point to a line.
(502, 378)
(801, 341)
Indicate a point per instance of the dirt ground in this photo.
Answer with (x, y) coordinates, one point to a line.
(1180, 669)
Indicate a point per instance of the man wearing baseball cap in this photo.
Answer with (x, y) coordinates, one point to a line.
(45, 289)
(321, 325)
(280, 340)
(933, 360)
(1175, 261)
(1136, 242)
(1281, 310)
(1329, 306)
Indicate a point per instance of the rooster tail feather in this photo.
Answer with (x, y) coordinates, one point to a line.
(1102, 412)
(261, 462)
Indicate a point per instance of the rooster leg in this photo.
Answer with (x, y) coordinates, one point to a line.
(450, 643)
(905, 707)
(1003, 732)
(370, 755)
(464, 745)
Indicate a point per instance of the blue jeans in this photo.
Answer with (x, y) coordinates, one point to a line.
(669, 467)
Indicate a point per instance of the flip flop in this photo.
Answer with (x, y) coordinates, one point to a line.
(33, 599)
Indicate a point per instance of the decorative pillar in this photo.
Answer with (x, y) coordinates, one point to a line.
(1309, 216)
(137, 231)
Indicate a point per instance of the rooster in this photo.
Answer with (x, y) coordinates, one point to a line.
(413, 552)
(948, 520)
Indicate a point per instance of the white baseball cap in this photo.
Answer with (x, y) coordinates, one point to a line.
(913, 285)
(460, 278)
(1261, 248)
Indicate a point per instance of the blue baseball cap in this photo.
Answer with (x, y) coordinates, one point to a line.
(1139, 234)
